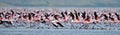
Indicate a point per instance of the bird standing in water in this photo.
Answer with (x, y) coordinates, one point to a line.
(56, 22)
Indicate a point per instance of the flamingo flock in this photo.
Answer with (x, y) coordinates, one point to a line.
(71, 18)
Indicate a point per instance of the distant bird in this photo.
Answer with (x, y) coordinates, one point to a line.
(87, 18)
(96, 16)
(76, 14)
(118, 17)
(84, 15)
(56, 22)
(105, 16)
(72, 15)
(111, 17)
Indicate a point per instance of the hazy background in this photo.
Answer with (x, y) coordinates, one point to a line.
(59, 3)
